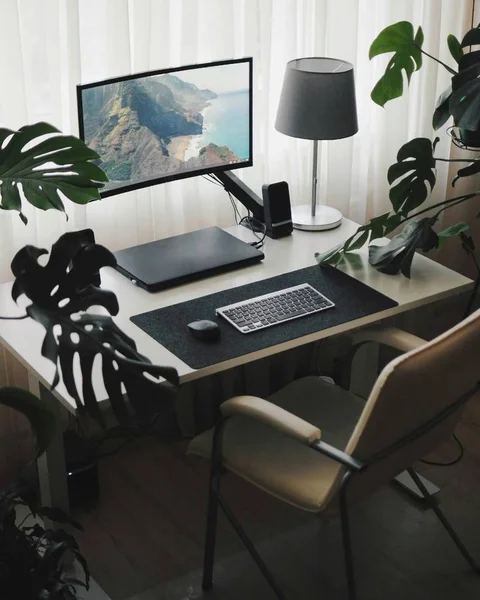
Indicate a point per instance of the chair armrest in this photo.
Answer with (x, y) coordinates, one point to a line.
(273, 415)
(389, 336)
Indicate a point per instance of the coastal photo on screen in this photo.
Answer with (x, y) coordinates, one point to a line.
(164, 125)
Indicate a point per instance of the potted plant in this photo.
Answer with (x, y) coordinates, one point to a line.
(59, 294)
(413, 176)
(33, 556)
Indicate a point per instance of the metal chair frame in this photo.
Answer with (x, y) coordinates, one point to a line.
(353, 467)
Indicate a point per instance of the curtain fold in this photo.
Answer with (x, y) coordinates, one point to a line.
(49, 46)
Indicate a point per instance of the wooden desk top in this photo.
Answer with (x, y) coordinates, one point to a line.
(429, 282)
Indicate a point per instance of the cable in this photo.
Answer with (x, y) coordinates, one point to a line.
(236, 212)
(213, 179)
(253, 224)
(14, 318)
(250, 222)
(452, 462)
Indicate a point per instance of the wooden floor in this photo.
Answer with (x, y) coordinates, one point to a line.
(144, 540)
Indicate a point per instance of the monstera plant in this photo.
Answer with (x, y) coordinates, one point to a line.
(36, 161)
(413, 176)
(40, 166)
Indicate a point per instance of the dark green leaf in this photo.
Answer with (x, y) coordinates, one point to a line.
(375, 228)
(358, 241)
(464, 102)
(39, 413)
(398, 254)
(57, 164)
(451, 231)
(471, 59)
(331, 256)
(454, 47)
(398, 38)
(472, 169)
(471, 38)
(392, 223)
(454, 229)
(416, 158)
(60, 291)
(442, 109)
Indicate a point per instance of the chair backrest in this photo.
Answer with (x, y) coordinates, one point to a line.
(412, 392)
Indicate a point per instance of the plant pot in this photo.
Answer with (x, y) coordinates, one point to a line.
(469, 138)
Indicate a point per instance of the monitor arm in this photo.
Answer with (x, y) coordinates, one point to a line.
(243, 193)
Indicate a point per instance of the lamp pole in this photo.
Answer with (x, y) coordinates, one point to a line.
(314, 177)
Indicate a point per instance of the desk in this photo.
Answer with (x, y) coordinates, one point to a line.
(429, 282)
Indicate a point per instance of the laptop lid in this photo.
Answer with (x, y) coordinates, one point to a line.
(183, 258)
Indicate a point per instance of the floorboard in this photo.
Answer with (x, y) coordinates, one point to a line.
(144, 539)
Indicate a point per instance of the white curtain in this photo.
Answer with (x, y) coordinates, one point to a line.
(49, 46)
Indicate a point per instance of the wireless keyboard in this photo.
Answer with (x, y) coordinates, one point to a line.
(277, 307)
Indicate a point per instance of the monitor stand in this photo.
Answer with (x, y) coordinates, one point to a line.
(183, 258)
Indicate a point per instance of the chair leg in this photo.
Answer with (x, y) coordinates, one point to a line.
(251, 548)
(347, 545)
(443, 520)
(211, 532)
(212, 511)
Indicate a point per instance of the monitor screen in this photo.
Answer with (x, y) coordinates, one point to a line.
(164, 125)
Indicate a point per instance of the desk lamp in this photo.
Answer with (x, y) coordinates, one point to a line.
(317, 103)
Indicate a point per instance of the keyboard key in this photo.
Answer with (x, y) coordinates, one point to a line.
(296, 313)
(281, 306)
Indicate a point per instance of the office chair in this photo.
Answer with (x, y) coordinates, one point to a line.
(319, 447)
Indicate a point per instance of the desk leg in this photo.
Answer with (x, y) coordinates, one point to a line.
(51, 465)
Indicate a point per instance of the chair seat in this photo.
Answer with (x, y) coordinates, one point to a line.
(279, 464)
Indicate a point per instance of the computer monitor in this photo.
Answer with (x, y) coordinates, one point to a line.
(169, 124)
(164, 125)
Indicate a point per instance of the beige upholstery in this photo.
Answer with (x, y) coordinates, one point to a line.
(276, 462)
(271, 414)
(390, 336)
(409, 392)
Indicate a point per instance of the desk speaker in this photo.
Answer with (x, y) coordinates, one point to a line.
(276, 206)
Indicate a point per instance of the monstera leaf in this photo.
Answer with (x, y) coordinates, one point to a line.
(472, 169)
(398, 254)
(376, 228)
(451, 231)
(442, 109)
(399, 39)
(465, 99)
(46, 168)
(455, 48)
(415, 167)
(60, 292)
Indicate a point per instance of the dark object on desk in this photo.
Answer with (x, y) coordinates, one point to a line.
(165, 263)
(278, 213)
(204, 330)
(353, 300)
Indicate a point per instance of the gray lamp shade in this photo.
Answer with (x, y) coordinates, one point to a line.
(318, 100)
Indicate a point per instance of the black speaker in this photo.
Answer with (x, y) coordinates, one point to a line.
(276, 205)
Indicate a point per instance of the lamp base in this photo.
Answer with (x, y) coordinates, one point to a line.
(325, 217)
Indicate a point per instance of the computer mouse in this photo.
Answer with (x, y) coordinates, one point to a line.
(204, 330)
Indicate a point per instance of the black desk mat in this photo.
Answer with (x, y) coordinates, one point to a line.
(168, 325)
